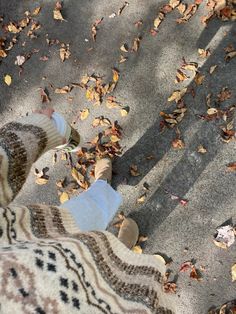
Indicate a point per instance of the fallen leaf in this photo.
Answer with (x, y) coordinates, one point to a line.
(43, 58)
(182, 8)
(8, 79)
(188, 13)
(101, 121)
(230, 55)
(194, 274)
(12, 28)
(153, 32)
(36, 11)
(180, 76)
(177, 95)
(212, 68)
(208, 100)
(63, 90)
(114, 138)
(20, 60)
(199, 78)
(138, 23)
(142, 198)
(231, 166)
(137, 249)
(136, 44)
(178, 144)
(204, 53)
(124, 111)
(201, 149)
(44, 96)
(124, 48)
(84, 114)
(224, 237)
(233, 272)
(64, 197)
(158, 20)
(170, 287)
(224, 94)
(134, 171)
(191, 66)
(212, 111)
(3, 54)
(174, 3)
(41, 176)
(123, 59)
(57, 12)
(115, 75)
(185, 266)
(111, 16)
(122, 8)
(64, 52)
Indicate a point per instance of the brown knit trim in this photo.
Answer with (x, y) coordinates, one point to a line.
(38, 132)
(7, 225)
(129, 291)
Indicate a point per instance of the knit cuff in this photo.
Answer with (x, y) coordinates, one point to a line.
(52, 138)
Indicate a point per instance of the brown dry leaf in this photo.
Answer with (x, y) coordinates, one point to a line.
(142, 198)
(230, 55)
(182, 8)
(170, 287)
(178, 143)
(41, 176)
(194, 274)
(138, 23)
(2, 53)
(7, 79)
(233, 272)
(137, 249)
(201, 149)
(122, 59)
(174, 3)
(112, 103)
(185, 266)
(213, 68)
(41, 180)
(204, 53)
(36, 11)
(64, 197)
(64, 52)
(101, 121)
(116, 75)
(124, 48)
(84, 114)
(180, 76)
(57, 12)
(199, 78)
(124, 111)
(231, 166)
(177, 95)
(189, 12)
(63, 90)
(191, 66)
(134, 171)
(136, 44)
(158, 20)
(212, 111)
(224, 94)
(44, 96)
(122, 8)
(208, 100)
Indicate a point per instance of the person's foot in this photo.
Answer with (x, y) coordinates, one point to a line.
(128, 233)
(103, 170)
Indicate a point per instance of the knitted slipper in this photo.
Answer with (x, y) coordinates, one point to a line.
(129, 232)
(103, 170)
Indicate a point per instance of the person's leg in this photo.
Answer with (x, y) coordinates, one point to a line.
(95, 208)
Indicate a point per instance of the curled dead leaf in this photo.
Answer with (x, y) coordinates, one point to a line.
(201, 149)
(136, 44)
(142, 198)
(199, 78)
(178, 143)
(213, 68)
(134, 171)
(124, 111)
(124, 48)
(57, 12)
(177, 95)
(204, 53)
(116, 75)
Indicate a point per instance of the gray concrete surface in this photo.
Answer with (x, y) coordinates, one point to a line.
(147, 80)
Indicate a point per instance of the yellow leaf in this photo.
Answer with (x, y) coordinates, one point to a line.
(12, 28)
(41, 180)
(137, 249)
(114, 138)
(77, 175)
(84, 114)
(233, 272)
(124, 111)
(115, 75)
(90, 93)
(64, 197)
(8, 79)
(36, 11)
